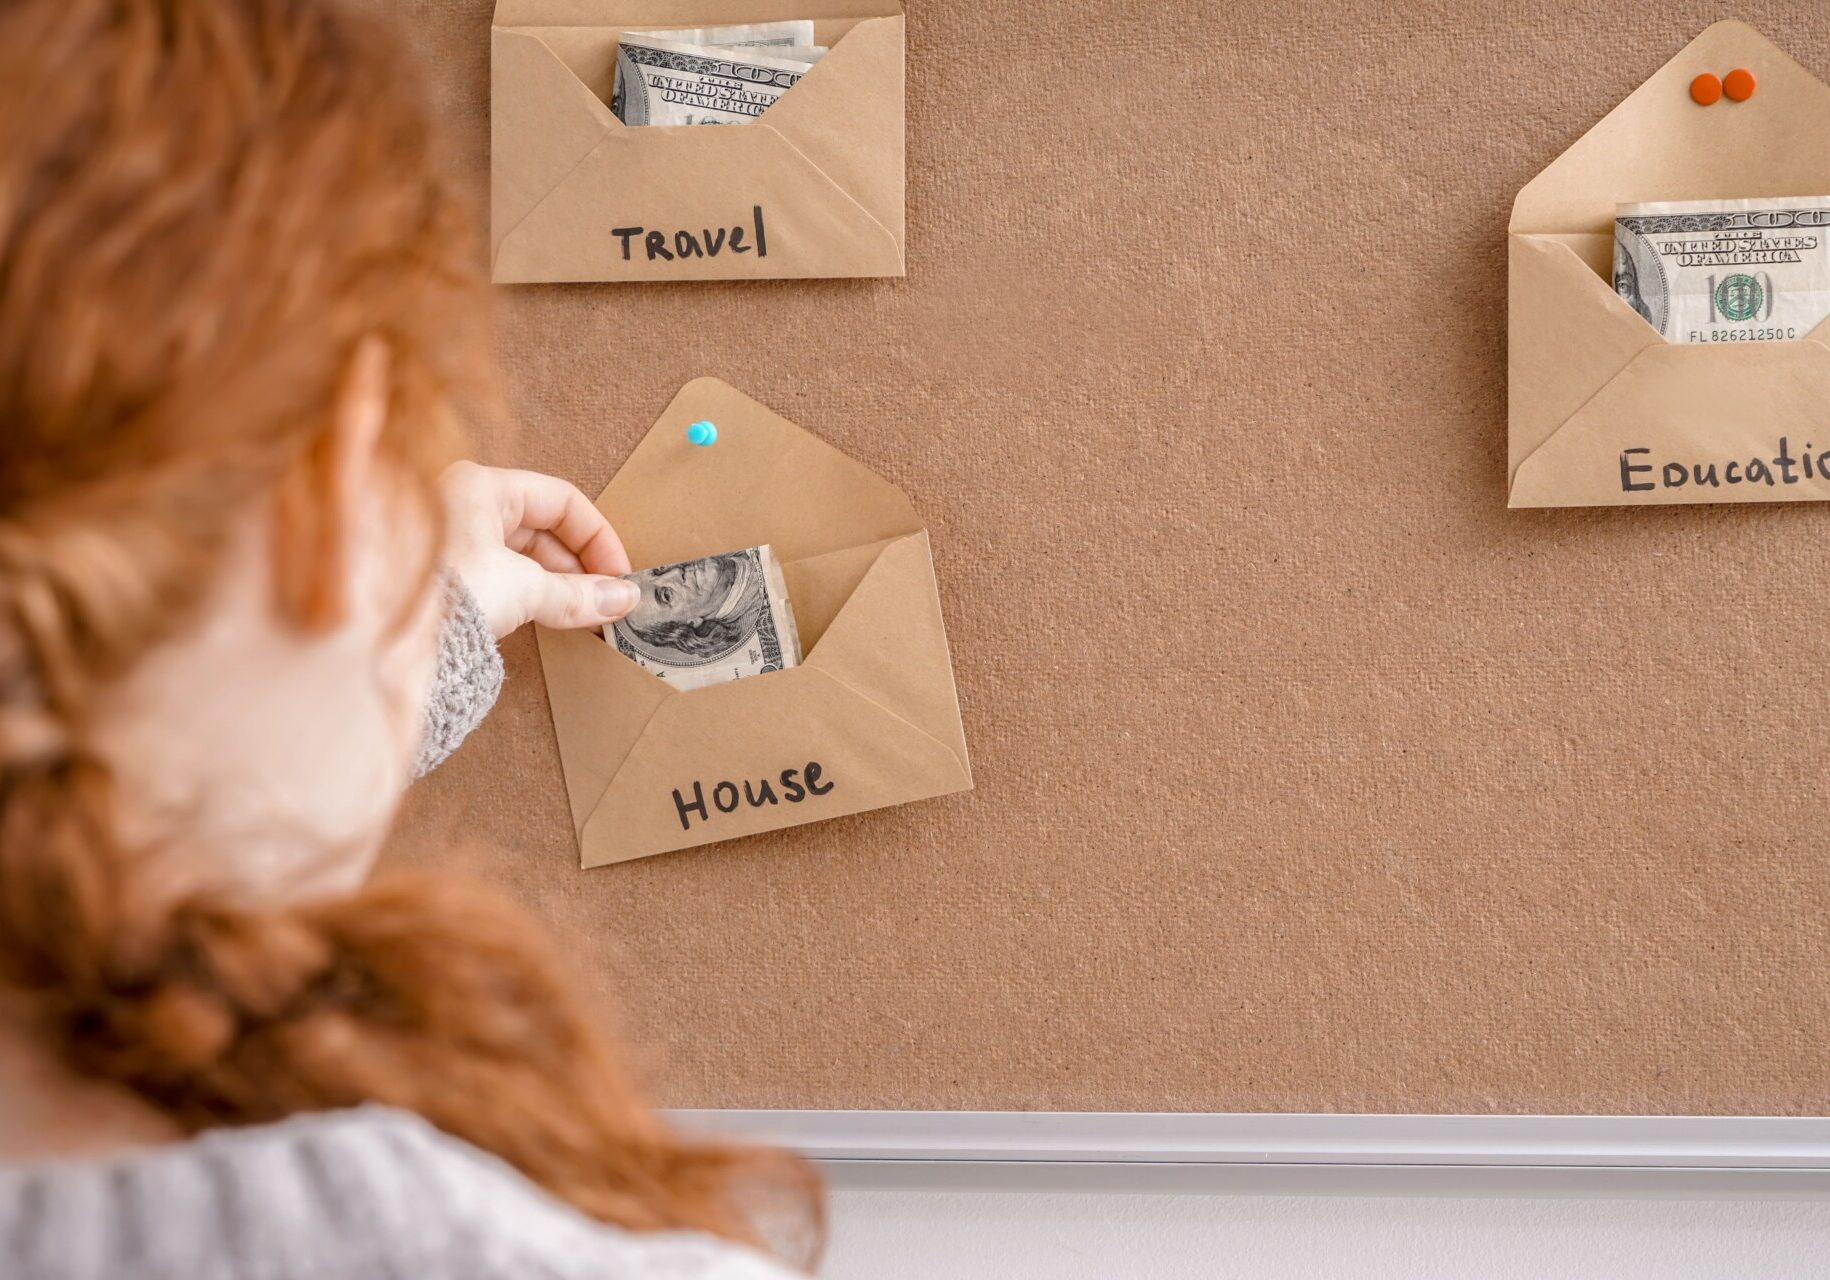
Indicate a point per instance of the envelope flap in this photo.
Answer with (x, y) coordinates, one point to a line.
(914, 675)
(601, 704)
(1659, 145)
(543, 122)
(765, 480)
(846, 116)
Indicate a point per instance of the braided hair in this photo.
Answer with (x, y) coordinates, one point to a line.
(205, 206)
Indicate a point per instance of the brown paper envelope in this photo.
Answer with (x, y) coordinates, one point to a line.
(824, 165)
(593, 745)
(873, 702)
(1587, 377)
(772, 481)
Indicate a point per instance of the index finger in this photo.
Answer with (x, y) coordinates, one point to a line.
(534, 501)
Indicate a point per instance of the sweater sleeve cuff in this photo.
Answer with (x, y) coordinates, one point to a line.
(468, 680)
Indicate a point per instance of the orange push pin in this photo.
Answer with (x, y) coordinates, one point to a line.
(1738, 84)
(1706, 90)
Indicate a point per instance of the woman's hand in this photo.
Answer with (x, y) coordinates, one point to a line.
(532, 548)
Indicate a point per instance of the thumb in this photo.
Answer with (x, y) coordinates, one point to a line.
(568, 600)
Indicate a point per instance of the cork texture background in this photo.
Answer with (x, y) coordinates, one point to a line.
(1309, 776)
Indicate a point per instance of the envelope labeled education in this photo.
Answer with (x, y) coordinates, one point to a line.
(868, 719)
(1601, 409)
(812, 187)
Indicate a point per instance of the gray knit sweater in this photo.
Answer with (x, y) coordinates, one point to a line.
(468, 680)
(368, 1194)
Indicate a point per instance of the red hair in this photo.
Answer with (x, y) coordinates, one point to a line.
(205, 207)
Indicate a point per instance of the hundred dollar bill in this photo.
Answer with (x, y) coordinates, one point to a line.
(705, 621)
(660, 81)
(1726, 270)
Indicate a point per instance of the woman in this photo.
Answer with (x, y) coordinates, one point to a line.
(236, 307)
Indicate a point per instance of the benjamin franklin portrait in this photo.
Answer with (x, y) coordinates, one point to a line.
(1626, 284)
(696, 613)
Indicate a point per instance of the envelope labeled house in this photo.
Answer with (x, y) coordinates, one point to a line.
(1601, 409)
(812, 187)
(868, 719)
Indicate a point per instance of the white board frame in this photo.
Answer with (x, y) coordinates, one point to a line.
(1764, 1157)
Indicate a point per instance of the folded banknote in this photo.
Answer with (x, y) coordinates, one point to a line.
(1726, 270)
(709, 75)
(706, 621)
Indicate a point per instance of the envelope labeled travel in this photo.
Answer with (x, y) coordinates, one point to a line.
(812, 187)
(868, 719)
(1601, 409)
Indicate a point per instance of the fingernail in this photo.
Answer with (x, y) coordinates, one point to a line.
(617, 596)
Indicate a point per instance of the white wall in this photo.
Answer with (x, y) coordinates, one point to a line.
(1009, 1235)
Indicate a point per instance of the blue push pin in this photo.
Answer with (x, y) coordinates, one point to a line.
(701, 434)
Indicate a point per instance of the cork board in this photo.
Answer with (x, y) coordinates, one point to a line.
(1309, 776)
